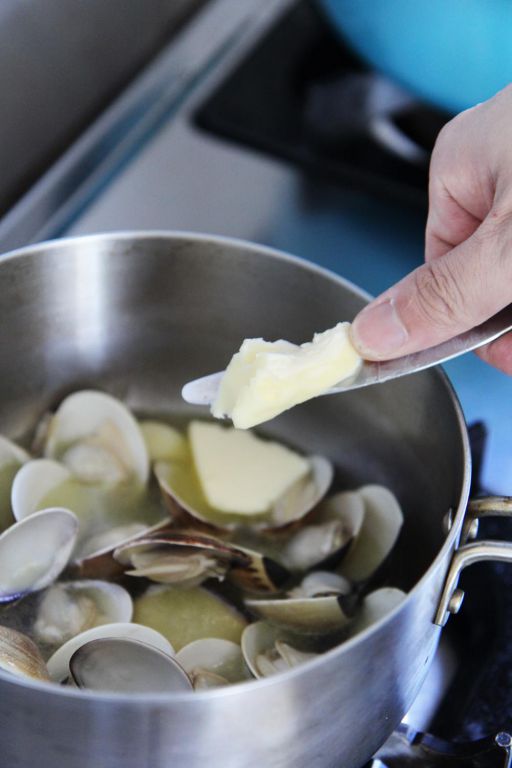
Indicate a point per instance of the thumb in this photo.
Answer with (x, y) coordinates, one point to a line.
(438, 300)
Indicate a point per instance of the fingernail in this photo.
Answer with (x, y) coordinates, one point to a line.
(378, 330)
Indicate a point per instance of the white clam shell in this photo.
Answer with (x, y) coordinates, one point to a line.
(20, 656)
(382, 522)
(305, 494)
(321, 583)
(308, 615)
(35, 480)
(11, 452)
(106, 519)
(338, 521)
(84, 413)
(302, 497)
(212, 654)
(34, 551)
(375, 606)
(58, 664)
(106, 541)
(71, 607)
(126, 666)
(267, 649)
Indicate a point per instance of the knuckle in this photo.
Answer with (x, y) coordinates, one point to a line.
(494, 237)
(439, 298)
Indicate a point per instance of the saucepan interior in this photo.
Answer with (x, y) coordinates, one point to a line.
(140, 314)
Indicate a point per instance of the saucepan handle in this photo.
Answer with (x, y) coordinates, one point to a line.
(474, 552)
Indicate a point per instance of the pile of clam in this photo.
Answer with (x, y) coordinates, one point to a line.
(118, 572)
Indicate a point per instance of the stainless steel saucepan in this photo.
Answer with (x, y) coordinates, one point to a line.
(139, 315)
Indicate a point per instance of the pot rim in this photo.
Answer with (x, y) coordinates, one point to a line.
(144, 699)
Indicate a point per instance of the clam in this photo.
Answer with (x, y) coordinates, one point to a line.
(34, 551)
(11, 459)
(382, 523)
(183, 615)
(58, 663)
(106, 541)
(337, 522)
(69, 608)
(212, 662)
(33, 482)
(267, 649)
(181, 558)
(321, 583)
(187, 504)
(375, 606)
(98, 439)
(319, 615)
(126, 666)
(108, 515)
(20, 656)
(163, 442)
(188, 558)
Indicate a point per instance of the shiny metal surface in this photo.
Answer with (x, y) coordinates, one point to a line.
(140, 314)
(204, 390)
(476, 552)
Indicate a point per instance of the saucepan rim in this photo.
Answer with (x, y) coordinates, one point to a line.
(450, 541)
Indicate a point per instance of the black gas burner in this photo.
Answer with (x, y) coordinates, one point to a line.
(303, 96)
(408, 749)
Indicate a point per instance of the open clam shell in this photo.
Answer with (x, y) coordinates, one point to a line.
(336, 523)
(180, 558)
(268, 649)
(20, 656)
(35, 480)
(12, 457)
(383, 520)
(95, 557)
(308, 615)
(375, 606)
(188, 506)
(108, 516)
(321, 583)
(188, 558)
(126, 666)
(58, 663)
(34, 551)
(212, 662)
(69, 608)
(98, 439)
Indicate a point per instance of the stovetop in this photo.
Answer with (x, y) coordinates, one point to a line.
(301, 96)
(259, 124)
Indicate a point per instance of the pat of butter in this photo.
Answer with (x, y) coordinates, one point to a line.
(265, 378)
(240, 473)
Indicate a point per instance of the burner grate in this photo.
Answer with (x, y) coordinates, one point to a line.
(407, 748)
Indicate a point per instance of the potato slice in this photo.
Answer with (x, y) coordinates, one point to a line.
(184, 615)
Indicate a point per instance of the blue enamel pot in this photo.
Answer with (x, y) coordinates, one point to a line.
(453, 53)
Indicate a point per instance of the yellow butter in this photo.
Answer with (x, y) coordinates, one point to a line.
(266, 378)
(241, 473)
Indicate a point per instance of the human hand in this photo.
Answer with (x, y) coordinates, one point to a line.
(467, 276)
